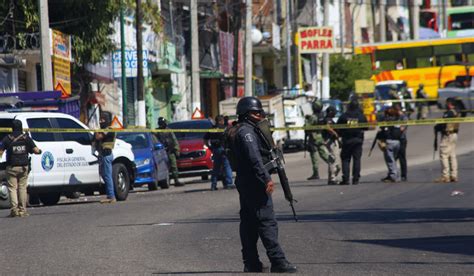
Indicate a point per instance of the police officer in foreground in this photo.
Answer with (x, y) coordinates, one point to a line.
(18, 145)
(352, 140)
(168, 139)
(248, 155)
(447, 146)
(314, 140)
(104, 143)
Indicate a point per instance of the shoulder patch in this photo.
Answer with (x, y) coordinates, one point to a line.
(248, 138)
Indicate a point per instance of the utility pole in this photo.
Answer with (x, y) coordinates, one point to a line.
(46, 71)
(196, 86)
(140, 96)
(415, 18)
(445, 18)
(124, 73)
(325, 90)
(382, 25)
(341, 24)
(235, 68)
(248, 49)
(289, 71)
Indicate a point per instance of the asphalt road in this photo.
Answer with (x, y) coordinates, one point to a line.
(412, 228)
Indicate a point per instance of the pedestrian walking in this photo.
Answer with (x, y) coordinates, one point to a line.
(221, 165)
(422, 105)
(18, 146)
(352, 140)
(104, 143)
(248, 154)
(331, 140)
(447, 146)
(392, 135)
(314, 142)
(168, 139)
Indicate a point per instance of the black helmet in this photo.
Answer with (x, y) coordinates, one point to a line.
(316, 106)
(17, 126)
(162, 122)
(331, 111)
(247, 104)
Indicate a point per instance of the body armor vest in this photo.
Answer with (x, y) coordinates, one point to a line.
(17, 151)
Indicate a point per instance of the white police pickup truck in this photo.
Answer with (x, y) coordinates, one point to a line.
(68, 162)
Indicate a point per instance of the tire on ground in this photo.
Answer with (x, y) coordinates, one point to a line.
(49, 199)
(165, 183)
(4, 197)
(121, 181)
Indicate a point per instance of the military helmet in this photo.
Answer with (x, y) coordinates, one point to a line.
(316, 106)
(162, 122)
(247, 104)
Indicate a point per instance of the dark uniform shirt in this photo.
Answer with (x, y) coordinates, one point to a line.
(352, 118)
(216, 139)
(106, 145)
(450, 127)
(252, 154)
(17, 149)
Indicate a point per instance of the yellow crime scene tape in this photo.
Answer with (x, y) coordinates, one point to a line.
(349, 125)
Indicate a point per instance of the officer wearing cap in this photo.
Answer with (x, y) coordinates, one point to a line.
(248, 152)
(18, 145)
(352, 140)
(104, 143)
(315, 142)
(447, 146)
(168, 139)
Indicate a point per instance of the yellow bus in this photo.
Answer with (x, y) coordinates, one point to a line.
(420, 61)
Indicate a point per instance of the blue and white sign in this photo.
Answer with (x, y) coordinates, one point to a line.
(47, 161)
(131, 63)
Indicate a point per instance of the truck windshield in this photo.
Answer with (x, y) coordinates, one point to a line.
(5, 123)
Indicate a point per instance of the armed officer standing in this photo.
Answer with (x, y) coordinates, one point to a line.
(248, 153)
(352, 140)
(168, 139)
(104, 143)
(447, 146)
(314, 140)
(331, 140)
(18, 145)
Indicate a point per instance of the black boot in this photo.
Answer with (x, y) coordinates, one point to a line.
(285, 267)
(315, 176)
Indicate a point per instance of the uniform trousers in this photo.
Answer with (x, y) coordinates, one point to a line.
(17, 180)
(447, 155)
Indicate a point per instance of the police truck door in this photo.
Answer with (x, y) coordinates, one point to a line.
(78, 161)
(44, 166)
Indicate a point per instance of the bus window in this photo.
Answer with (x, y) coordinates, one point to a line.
(446, 54)
(389, 58)
(418, 57)
(468, 50)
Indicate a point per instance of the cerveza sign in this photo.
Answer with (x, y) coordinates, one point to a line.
(131, 63)
(316, 40)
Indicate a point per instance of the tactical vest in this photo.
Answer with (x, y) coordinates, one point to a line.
(452, 127)
(17, 151)
(230, 135)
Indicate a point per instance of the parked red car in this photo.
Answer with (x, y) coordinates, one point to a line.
(195, 158)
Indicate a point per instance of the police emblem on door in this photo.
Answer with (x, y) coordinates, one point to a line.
(47, 161)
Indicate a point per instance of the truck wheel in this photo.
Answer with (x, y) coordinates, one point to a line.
(153, 186)
(165, 183)
(73, 195)
(4, 197)
(33, 199)
(121, 181)
(50, 198)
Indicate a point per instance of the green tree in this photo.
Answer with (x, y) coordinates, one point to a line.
(344, 71)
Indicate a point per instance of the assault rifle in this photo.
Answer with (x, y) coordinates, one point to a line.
(276, 163)
(435, 144)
